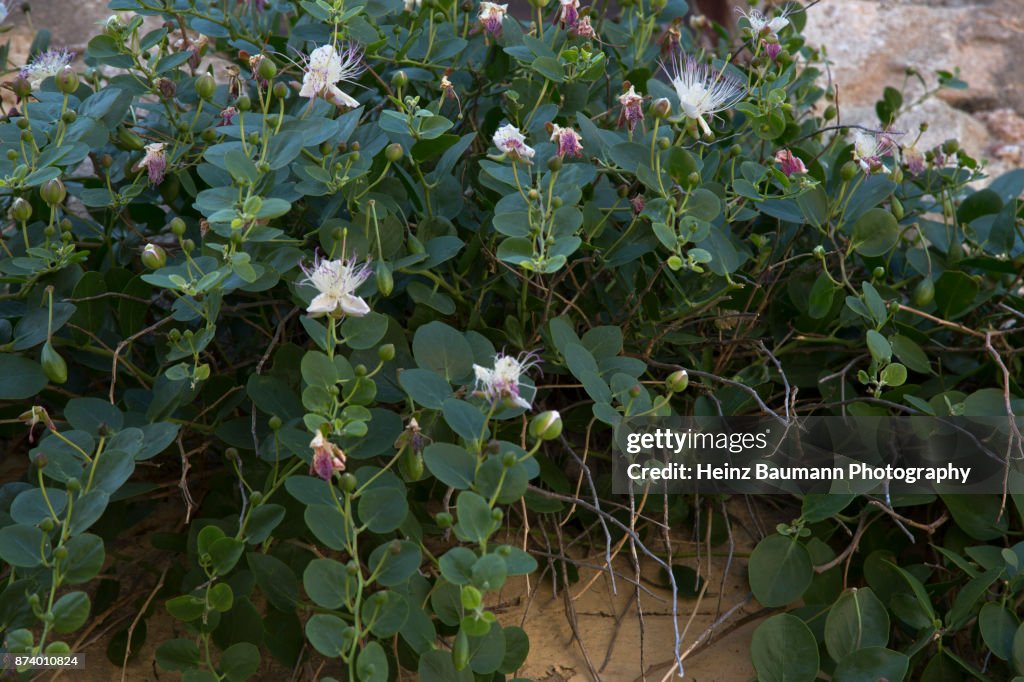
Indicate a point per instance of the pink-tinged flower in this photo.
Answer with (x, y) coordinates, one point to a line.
(701, 90)
(584, 29)
(638, 204)
(502, 382)
(328, 458)
(325, 68)
(155, 162)
(226, 115)
(773, 50)
(511, 142)
(46, 65)
(914, 159)
(762, 26)
(491, 17)
(870, 148)
(568, 13)
(568, 141)
(788, 163)
(337, 281)
(632, 108)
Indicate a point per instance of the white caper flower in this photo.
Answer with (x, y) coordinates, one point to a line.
(337, 281)
(326, 67)
(502, 382)
(702, 91)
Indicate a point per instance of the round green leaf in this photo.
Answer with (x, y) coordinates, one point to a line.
(23, 378)
(780, 570)
(856, 621)
(875, 232)
(70, 612)
(382, 509)
(783, 649)
(871, 664)
(324, 632)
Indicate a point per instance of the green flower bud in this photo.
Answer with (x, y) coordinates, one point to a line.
(205, 86)
(674, 262)
(129, 140)
(54, 367)
(73, 485)
(348, 483)
(280, 90)
(399, 79)
(848, 171)
(267, 68)
(555, 164)
(663, 143)
(274, 423)
(21, 87)
(386, 353)
(415, 245)
(677, 381)
(53, 192)
(661, 108)
(67, 80)
(509, 459)
(546, 425)
(154, 257)
(897, 207)
(950, 146)
(20, 210)
(243, 103)
(394, 152)
(924, 292)
(878, 272)
(178, 227)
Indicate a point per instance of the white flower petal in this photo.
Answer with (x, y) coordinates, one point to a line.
(322, 303)
(353, 305)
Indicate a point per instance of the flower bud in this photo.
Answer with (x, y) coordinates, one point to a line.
(280, 90)
(67, 80)
(677, 381)
(20, 210)
(21, 87)
(878, 272)
(54, 366)
(243, 103)
(274, 423)
(154, 257)
(205, 86)
(661, 108)
(267, 68)
(394, 152)
(674, 262)
(546, 425)
(53, 192)
(178, 227)
(950, 146)
(924, 292)
(348, 483)
(386, 353)
(399, 79)
(555, 164)
(443, 520)
(848, 171)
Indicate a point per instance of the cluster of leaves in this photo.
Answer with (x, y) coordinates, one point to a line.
(152, 311)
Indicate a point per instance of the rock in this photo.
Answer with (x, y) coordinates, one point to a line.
(872, 43)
